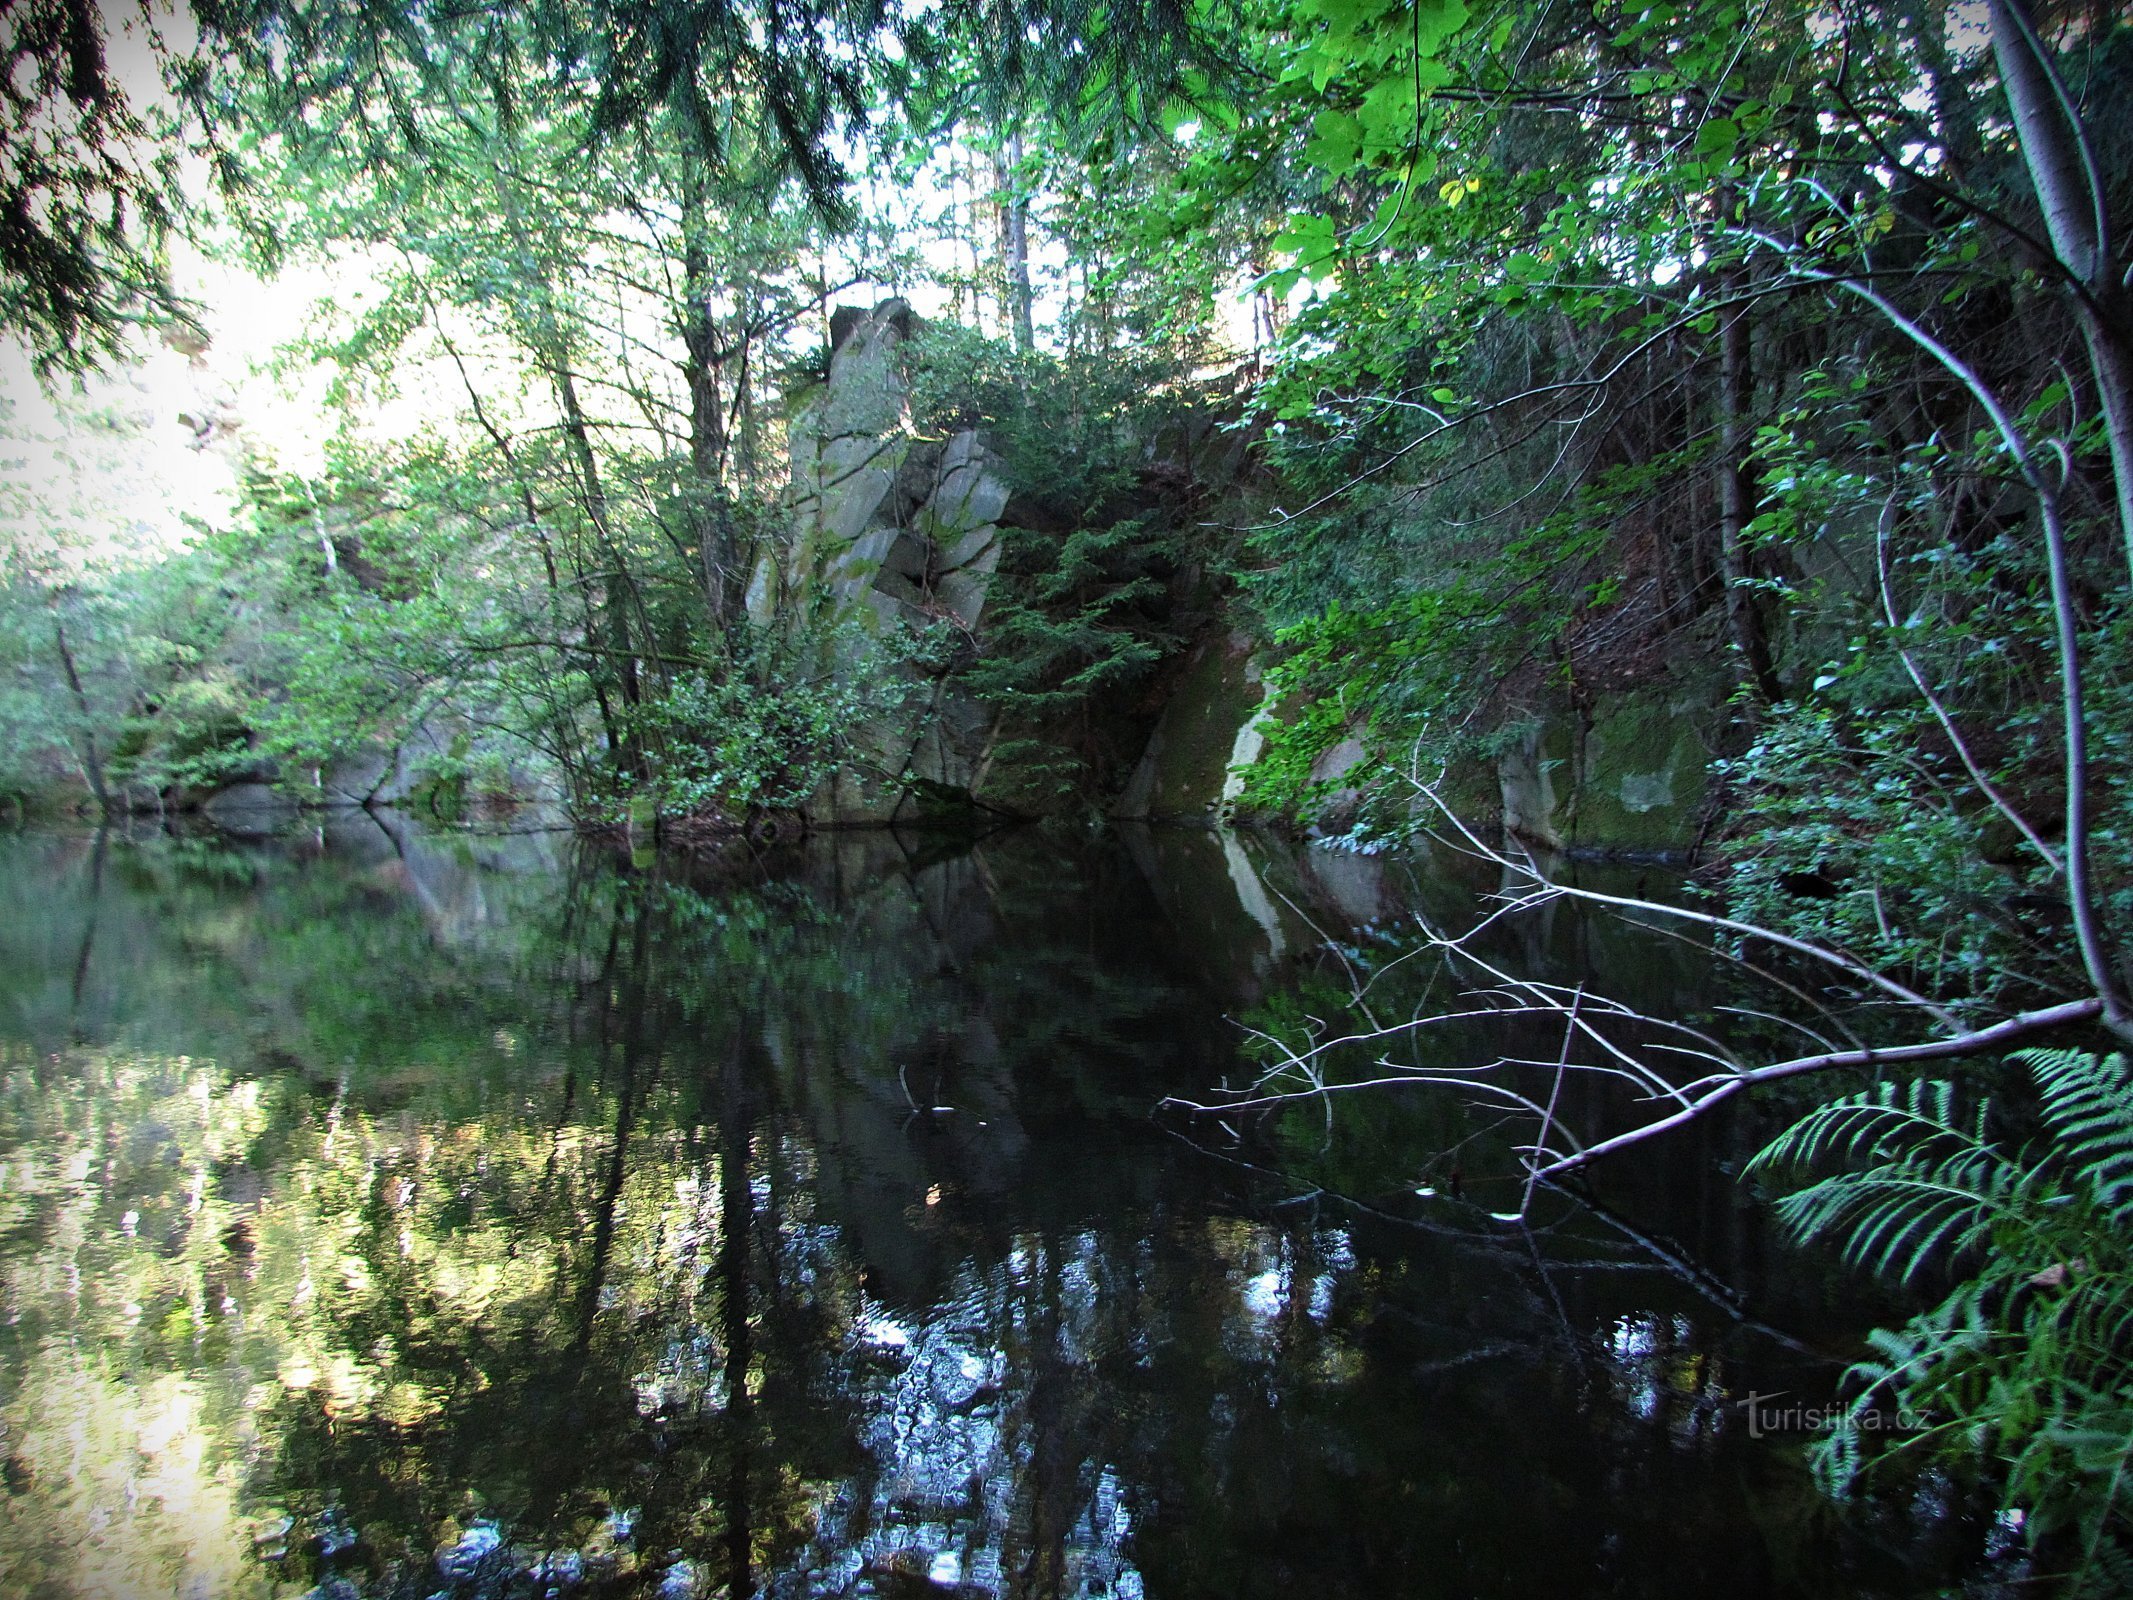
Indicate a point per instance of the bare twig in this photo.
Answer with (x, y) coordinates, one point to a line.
(1555, 1095)
(1977, 1042)
(1985, 785)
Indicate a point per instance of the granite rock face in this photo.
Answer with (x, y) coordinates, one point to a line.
(1627, 775)
(1212, 727)
(1644, 777)
(888, 529)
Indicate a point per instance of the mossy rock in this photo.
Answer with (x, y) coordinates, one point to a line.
(1644, 777)
(1185, 772)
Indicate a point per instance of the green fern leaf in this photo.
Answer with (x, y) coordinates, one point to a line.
(2088, 1105)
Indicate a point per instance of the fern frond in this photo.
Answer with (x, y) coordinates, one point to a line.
(2106, 1571)
(2029, 1359)
(2097, 1317)
(1955, 1331)
(1872, 1123)
(2088, 1105)
(1937, 1185)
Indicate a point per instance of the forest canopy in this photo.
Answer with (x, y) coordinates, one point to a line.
(1568, 345)
(1473, 381)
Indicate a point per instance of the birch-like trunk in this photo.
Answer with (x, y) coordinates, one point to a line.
(2070, 191)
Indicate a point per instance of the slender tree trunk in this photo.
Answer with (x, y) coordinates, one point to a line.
(1736, 385)
(92, 764)
(550, 347)
(569, 746)
(1106, 326)
(325, 543)
(2068, 180)
(709, 510)
(621, 598)
(1954, 114)
(748, 435)
(1014, 243)
(2110, 343)
(977, 251)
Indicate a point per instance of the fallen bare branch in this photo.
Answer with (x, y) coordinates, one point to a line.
(1980, 1041)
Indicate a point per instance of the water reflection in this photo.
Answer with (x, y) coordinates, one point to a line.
(383, 1214)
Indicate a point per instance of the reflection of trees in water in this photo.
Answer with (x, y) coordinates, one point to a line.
(574, 1283)
(607, 1241)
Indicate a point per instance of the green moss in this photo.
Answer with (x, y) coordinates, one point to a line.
(1188, 757)
(1644, 776)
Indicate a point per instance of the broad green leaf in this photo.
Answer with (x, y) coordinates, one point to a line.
(1388, 116)
(1336, 142)
(1716, 139)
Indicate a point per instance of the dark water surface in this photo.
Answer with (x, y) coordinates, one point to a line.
(383, 1214)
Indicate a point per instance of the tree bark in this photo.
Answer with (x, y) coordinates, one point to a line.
(544, 337)
(2070, 192)
(92, 764)
(1014, 243)
(1736, 383)
(709, 513)
(618, 604)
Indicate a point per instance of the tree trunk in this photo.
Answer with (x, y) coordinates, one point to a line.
(544, 337)
(92, 764)
(1736, 384)
(621, 589)
(709, 512)
(1014, 243)
(748, 435)
(2063, 170)
(2108, 329)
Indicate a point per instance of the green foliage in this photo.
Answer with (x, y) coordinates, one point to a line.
(1081, 621)
(1859, 822)
(1112, 576)
(1936, 1186)
(1437, 677)
(147, 702)
(2025, 1366)
(1395, 670)
(34, 723)
(92, 179)
(1073, 427)
(1856, 837)
(196, 735)
(766, 734)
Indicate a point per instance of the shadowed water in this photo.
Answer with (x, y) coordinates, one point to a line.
(388, 1214)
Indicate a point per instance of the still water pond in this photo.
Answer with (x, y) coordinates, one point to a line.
(408, 1216)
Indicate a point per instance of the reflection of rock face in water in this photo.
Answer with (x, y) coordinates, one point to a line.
(1217, 902)
(1252, 897)
(449, 874)
(422, 1215)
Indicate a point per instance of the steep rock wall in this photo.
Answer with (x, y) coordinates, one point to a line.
(888, 529)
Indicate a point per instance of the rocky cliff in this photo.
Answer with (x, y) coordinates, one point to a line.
(888, 528)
